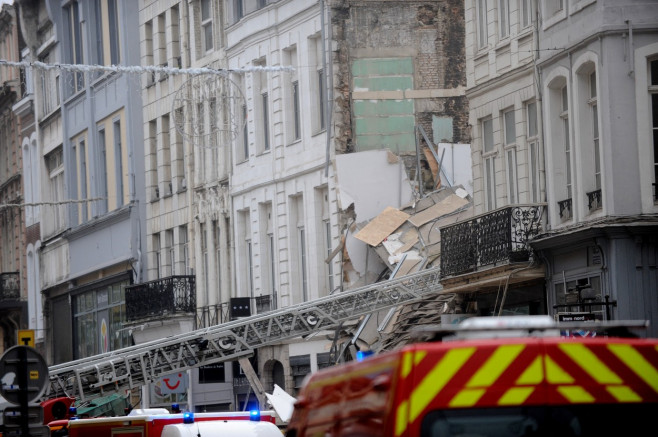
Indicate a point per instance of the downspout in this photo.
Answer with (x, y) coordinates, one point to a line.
(329, 80)
(631, 57)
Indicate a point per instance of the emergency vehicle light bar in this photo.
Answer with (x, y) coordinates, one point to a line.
(524, 326)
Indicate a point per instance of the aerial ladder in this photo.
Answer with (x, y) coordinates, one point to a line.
(142, 364)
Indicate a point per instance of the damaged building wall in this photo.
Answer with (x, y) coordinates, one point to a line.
(398, 65)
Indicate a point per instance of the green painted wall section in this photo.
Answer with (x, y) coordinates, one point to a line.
(442, 129)
(373, 108)
(382, 67)
(380, 124)
(390, 83)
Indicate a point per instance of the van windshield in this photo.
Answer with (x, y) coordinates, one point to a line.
(560, 421)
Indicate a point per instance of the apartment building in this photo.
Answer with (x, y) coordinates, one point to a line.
(85, 167)
(597, 74)
(14, 290)
(488, 257)
(245, 212)
(560, 99)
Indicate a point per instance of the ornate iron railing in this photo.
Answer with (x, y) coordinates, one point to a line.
(212, 315)
(166, 296)
(594, 200)
(565, 209)
(10, 288)
(217, 314)
(489, 239)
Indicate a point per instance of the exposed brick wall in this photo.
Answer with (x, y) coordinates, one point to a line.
(431, 32)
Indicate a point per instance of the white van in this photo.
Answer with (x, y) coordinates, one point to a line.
(222, 428)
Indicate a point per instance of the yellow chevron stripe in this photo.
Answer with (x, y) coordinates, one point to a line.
(554, 373)
(436, 379)
(406, 366)
(575, 393)
(637, 363)
(533, 374)
(496, 364)
(467, 397)
(516, 395)
(401, 418)
(623, 393)
(407, 359)
(585, 358)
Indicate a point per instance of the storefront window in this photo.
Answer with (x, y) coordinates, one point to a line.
(98, 320)
(582, 295)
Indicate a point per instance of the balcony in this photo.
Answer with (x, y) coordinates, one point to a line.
(565, 209)
(10, 289)
(496, 238)
(166, 296)
(221, 313)
(594, 200)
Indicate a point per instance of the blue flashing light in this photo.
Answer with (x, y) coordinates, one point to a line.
(188, 417)
(362, 355)
(254, 415)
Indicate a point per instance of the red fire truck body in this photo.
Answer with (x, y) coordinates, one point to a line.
(487, 387)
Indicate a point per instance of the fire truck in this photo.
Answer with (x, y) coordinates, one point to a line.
(152, 422)
(495, 376)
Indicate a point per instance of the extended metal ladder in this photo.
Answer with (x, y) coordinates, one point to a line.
(142, 364)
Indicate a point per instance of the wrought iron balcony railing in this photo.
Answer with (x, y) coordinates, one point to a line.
(594, 200)
(172, 295)
(565, 209)
(10, 286)
(489, 239)
(217, 314)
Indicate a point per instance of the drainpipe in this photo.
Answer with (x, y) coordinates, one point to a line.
(631, 57)
(328, 81)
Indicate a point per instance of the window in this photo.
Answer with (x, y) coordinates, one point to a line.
(321, 98)
(148, 50)
(296, 111)
(653, 90)
(49, 84)
(317, 83)
(152, 169)
(526, 13)
(98, 318)
(482, 23)
(171, 252)
(238, 10)
(118, 163)
(504, 14)
(166, 154)
(157, 256)
(82, 151)
(212, 373)
(564, 115)
(510, 152)
(489, 164)
(206, 26)
(203, 237)
(266, 122)
(245, 134)
(595, 129)
(178, 156)
(302, 262)
(581, 294)
(293, 112)
(300, 366)
(74, 27)
(55, 168)
(185, 250)
(106, 33)
(261, 106)
(216, 232)
(102, 173)
(533, 153)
